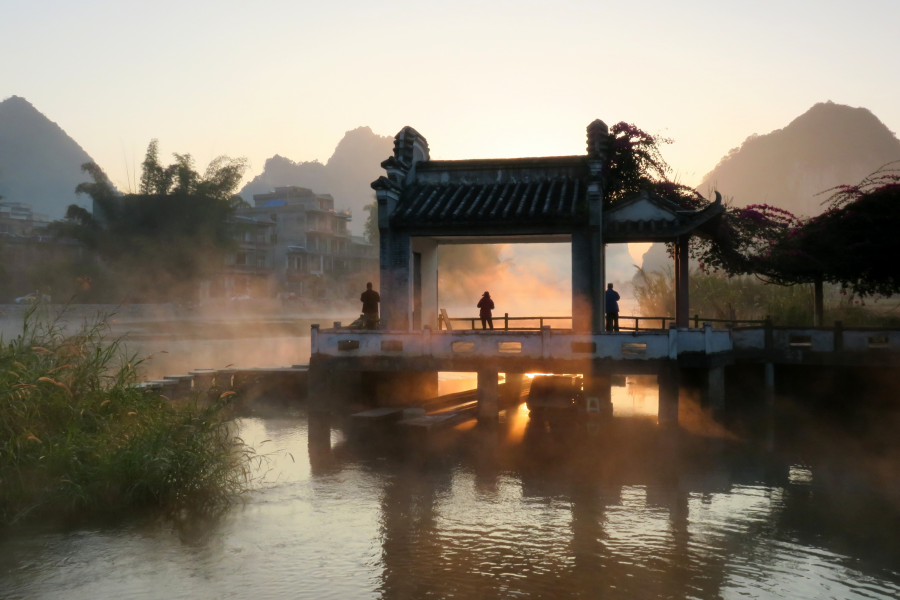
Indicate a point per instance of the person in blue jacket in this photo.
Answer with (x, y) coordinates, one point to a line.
(612, 308)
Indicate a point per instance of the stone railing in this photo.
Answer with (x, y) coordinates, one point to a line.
(543, 344)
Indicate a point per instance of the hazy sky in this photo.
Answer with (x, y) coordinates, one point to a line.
(478, 79)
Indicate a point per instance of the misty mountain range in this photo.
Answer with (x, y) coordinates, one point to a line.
(39, 163)
(347, 175)
(828, 145)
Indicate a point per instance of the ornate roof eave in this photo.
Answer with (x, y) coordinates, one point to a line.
(385, 184)
(701, 223)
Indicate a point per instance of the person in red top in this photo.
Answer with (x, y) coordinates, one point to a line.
(486, 305)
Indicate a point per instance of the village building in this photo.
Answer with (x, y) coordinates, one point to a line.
(310, 250)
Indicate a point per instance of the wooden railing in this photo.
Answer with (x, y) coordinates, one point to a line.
(502, 323)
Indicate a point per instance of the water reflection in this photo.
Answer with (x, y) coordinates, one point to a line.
(527, 508)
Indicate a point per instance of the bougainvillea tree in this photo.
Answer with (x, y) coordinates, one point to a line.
(854, 243)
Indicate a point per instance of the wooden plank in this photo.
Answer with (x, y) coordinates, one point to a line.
(446, 319)
(440, 421)
(378, 415)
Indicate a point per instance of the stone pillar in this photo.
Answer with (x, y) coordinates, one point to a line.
(428, 249)
(396, 281)
(715, 389)
(819, 312)
(769, 383)
(598, 393)
(318, 387)
(668, 379)
(488, 395)
(514, 383)
(319, 441)
(682, 271)
(582, 282)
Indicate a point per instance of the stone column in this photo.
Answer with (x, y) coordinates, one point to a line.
(598, 392)
(582, 282)
(715, 389)
(819, 313)
(318, 387)
(668, 395)
(514, 382)
(488, 395)
(682, 293)
(428, 249)
(769, 383)
(396, 281)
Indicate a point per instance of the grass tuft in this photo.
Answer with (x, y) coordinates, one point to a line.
(77, 434)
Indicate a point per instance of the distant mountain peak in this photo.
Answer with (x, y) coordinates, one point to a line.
(355, 163)
(39, 163)
(828, 145)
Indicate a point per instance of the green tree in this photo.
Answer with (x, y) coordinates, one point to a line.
(161, 241)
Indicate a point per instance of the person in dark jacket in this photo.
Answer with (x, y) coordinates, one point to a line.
(486, 305)
(370, 300)
(612, 308)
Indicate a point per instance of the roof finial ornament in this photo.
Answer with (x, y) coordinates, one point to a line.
(597, 139)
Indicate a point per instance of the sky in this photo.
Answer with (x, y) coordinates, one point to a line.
(478, 79)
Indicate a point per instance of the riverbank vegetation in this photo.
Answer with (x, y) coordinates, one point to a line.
(718, 296)
(78, 436)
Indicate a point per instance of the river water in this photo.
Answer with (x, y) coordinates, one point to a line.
(531, 509)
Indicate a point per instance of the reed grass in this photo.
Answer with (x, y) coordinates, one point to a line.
(717, 296)
(77, 434)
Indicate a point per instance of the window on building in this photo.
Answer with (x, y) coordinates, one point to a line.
(240, 258)
(261, 260)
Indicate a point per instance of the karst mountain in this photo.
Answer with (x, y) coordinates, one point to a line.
(347, 175)
(39, 163)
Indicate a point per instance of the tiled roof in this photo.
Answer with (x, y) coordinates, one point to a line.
(561, 199)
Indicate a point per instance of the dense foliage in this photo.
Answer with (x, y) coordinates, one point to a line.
(159, 242)
(79, 435)
(852, 244)
(635, 163)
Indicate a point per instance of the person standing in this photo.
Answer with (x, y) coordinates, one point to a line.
(486, 305)
(612, 308)
(370, 300)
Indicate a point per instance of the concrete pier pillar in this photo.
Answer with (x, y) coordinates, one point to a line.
(319, 441)
(514, 383)
(715, 389)
(769, 385)
(488, 395)
(318, 391)
(668, 379)
(598, 393)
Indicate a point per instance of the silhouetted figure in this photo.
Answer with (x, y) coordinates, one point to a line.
(486, 305)
(612, 308)
(370, 300)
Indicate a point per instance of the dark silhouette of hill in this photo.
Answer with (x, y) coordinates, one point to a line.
(39, 163)
(830, 144)
(355, 164)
